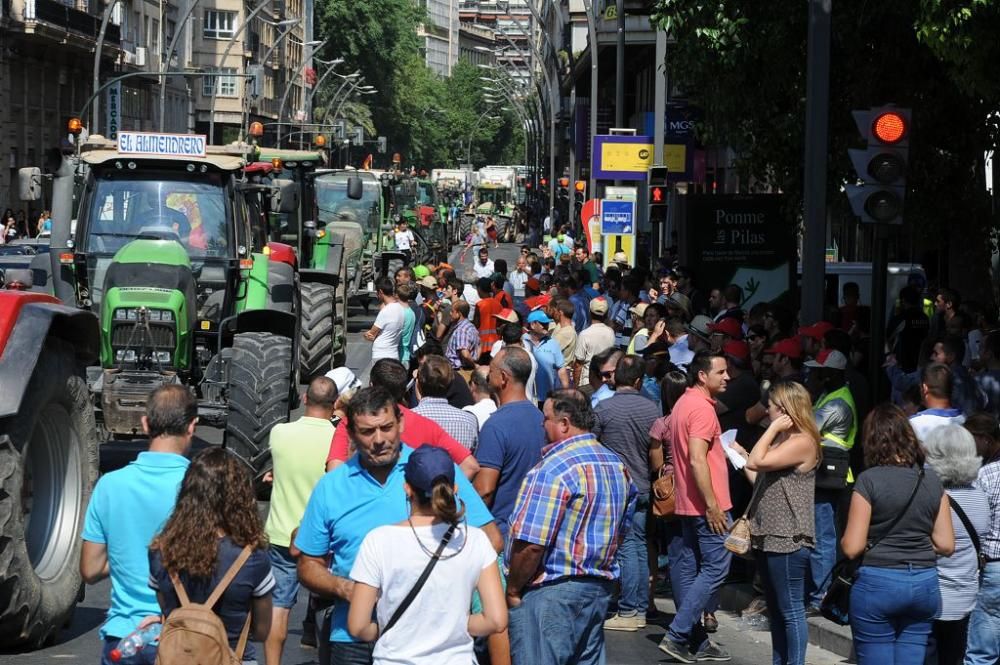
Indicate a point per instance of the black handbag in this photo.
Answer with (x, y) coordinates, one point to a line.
(836, 605)
(831, 474)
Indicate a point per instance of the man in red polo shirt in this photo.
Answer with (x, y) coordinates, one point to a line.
(700, 565)
(417, 430)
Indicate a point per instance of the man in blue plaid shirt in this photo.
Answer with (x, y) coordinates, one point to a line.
(567, 525)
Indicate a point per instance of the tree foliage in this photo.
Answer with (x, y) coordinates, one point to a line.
(744, 63)
(426, 118)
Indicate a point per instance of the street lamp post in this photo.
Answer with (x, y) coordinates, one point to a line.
(475, 126)
(97, 61)
(225, 55)
(263, 62)
(288, 88)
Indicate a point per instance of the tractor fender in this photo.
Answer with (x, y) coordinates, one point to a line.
(26, 321)
(321, 276)
(267, 321)
(335, 253)
(281, 252)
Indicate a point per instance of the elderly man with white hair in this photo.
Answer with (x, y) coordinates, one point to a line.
(951, 452)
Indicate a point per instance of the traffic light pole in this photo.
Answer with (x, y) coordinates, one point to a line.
(817, 120)
(880, 268)
(659, 120)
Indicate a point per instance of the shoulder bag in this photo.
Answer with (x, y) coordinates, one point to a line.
(411, 596)
(663, 493)
(738, 539)
(836, 605)
(971, 530)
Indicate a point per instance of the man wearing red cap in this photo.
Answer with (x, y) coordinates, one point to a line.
(786, 366)
(812, 337)
(724, 331)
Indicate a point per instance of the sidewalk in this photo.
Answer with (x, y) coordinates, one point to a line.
(822, 633)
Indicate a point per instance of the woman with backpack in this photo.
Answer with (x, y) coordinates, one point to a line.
(420, 574)
(210, 567)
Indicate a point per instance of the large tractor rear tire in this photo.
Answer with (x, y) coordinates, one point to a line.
(48, 467)
(260, 370)
(340, 319)
(316, 339)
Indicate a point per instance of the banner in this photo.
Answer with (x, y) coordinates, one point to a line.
(745, 240)
(629, 157)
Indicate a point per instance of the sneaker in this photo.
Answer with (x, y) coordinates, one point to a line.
(713, 652)
(629, 624)
(308, 640)
(675, 650)
(641, 618)
(710, 622)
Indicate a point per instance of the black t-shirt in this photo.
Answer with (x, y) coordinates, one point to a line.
(253, 581)
(887, 489)
(913, 327)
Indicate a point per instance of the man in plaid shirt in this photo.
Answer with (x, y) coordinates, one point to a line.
(567, 525)
(462, 349)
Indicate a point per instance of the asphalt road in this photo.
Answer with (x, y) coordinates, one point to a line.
(80, 643)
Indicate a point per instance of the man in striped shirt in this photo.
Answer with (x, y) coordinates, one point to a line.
(565, 531)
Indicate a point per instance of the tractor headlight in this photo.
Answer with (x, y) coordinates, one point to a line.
(132, 314)
(162, 357)
(122, 355)
(154, 315)
(167, 316)
(121, 314)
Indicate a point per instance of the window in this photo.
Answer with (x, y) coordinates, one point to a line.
(227, 84)
(219, 25)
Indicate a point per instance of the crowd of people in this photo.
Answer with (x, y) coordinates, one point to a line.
(490, 494)
(14, 226)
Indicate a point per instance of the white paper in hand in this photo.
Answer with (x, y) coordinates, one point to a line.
(728, 438)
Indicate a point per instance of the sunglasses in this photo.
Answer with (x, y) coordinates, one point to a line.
(608, 375)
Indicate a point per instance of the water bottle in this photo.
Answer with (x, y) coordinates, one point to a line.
(131, 644)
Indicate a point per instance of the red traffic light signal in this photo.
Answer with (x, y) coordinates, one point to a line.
(543, 182)
(657, 194)
(889, 127)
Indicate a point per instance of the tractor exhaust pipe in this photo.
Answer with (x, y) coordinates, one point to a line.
(62, 216)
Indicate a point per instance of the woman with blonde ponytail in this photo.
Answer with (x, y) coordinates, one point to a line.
(435, 627)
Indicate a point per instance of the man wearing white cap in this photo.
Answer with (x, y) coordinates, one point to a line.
(837, 420)
(597, 337)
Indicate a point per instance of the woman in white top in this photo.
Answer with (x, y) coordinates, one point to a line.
(436, 628)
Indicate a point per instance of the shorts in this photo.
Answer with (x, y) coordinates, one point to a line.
(286, 577)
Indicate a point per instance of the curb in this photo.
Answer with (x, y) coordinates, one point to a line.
(823, 633)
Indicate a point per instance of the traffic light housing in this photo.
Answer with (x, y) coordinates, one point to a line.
(382, 145)
(656, 181)
(882, 166)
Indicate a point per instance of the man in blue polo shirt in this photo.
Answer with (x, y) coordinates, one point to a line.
(552, 373)
(129, 507)
(364, 493)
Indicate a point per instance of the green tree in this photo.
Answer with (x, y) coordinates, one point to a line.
(744, 64)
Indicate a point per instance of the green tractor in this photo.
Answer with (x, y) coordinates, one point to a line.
(169, 252)
(359, 206)
(322, 265)
(416, 201)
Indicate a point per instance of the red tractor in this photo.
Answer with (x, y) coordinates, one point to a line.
(48, 461)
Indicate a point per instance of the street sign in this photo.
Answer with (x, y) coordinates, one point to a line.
(114, 109)
(161, 145)
(617, 217)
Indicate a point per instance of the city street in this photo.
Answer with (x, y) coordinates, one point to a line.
(79, 643)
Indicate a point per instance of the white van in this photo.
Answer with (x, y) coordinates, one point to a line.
(859, 272)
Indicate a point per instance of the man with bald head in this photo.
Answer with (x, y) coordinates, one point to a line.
(511, 441)
(298, 452)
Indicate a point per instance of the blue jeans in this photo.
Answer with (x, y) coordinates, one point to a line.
(984, 623)
(146, 656)
(698, 567)
(892, 610)
(784, 577)
(824, 555)
(561, 623)
(634, 561)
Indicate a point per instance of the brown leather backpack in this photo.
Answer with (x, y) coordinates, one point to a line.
(194, 634)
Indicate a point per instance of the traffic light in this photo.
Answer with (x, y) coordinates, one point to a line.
(382, 145)
(882, 165)
(580, 187)
(563, 188)
(657, 204)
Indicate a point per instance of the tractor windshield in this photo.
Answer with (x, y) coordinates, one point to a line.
(334, 204)
(426, 194)
(158, 206)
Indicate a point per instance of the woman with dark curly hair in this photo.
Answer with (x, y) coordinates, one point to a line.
(214, 520)
(896, 595)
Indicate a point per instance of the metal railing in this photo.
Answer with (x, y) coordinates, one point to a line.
(65, 16)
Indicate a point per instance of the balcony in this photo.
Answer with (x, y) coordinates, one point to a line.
(53, 14)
